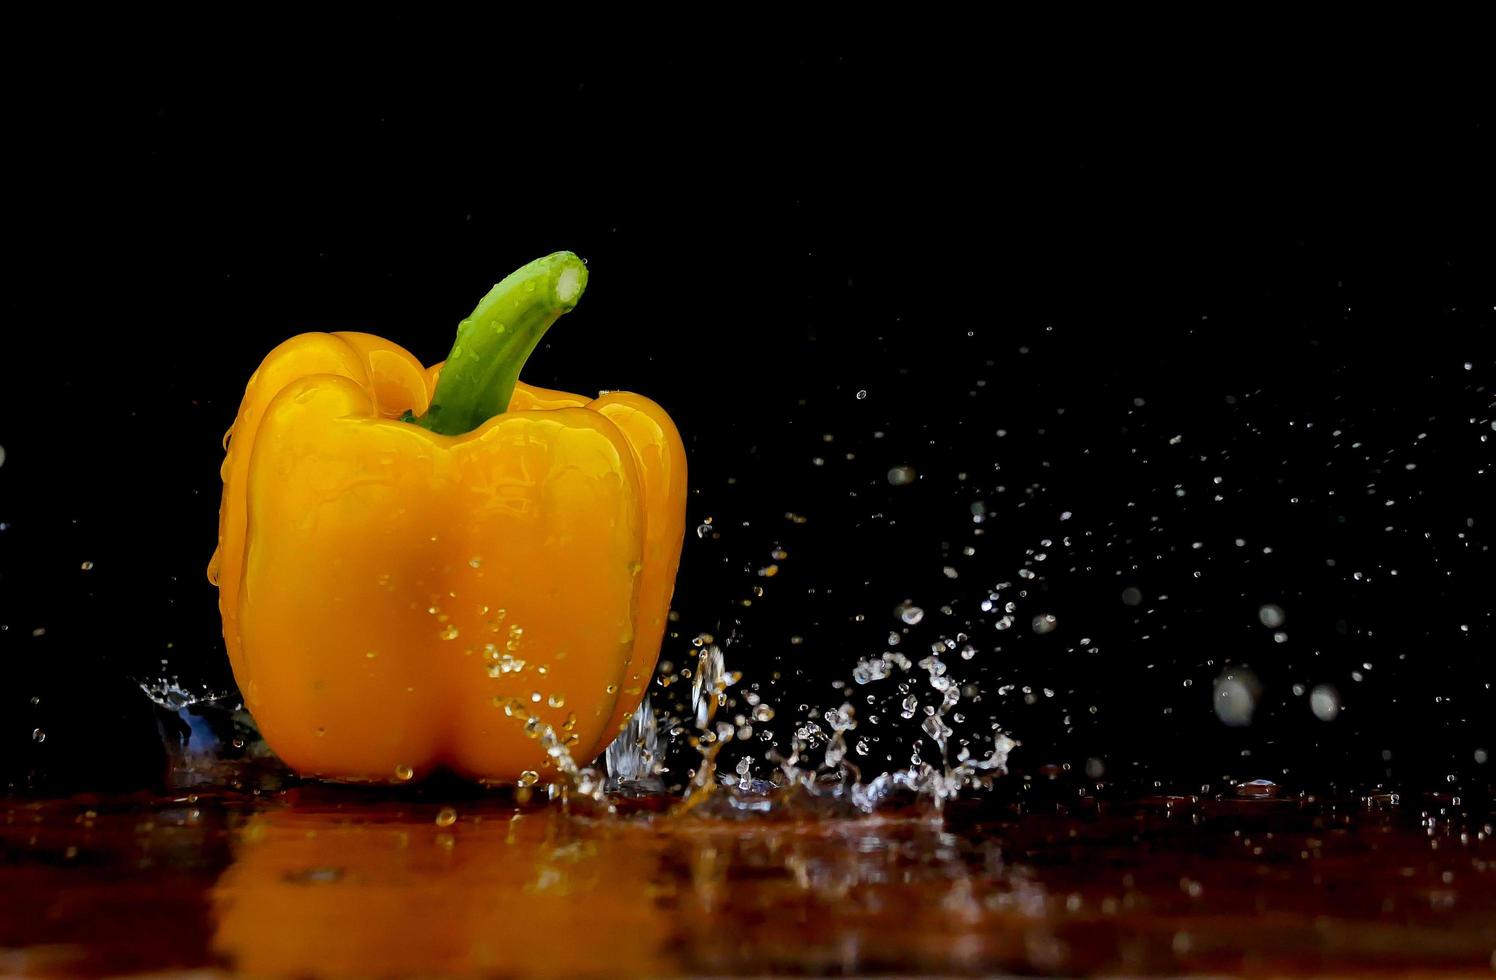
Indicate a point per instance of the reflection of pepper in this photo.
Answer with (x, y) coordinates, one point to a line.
(313, 893)
(393, 593)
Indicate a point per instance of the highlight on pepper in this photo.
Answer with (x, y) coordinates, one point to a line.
(444, 567)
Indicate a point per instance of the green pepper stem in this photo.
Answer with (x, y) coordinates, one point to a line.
(497, 338)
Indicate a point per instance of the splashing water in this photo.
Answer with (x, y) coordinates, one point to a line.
(633, 760)
(834, 784)
(576, 783)
(708, 693)
(171, 694)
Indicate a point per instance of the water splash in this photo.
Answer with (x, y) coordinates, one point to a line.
(171, 694)
(708, 693)
(576, 783)
(634, 759)
(834, 784)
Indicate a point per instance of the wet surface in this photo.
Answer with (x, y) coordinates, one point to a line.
(322, 881)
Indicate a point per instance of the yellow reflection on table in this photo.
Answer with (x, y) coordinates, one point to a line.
(529, 893)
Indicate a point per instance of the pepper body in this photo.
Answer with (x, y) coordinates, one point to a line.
(395, 599)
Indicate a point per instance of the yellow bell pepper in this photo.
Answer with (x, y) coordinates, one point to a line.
(412, 561)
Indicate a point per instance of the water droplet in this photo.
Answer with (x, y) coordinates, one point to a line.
(528, 778)
(1235, 698)
(475, 562)
(37, 735)
(909, 613)
(870, 670)
(446, 817)
(843, 719)
(1324, 701)
(404, 773)
(935, 727)
(1270, 616)
(449, 632)
(1045, 623)
(901, 475)
(504, 663)
(87, 566)
(861, 394)
(556, 701)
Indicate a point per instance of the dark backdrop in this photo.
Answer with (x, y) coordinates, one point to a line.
(1219, 333)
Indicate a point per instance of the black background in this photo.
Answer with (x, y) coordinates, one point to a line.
(1146, 273)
